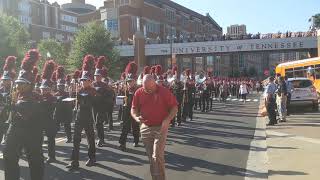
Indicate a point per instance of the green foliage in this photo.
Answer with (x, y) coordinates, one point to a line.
(317, 20)
(14, 38)
(94, 39)
(52, 49)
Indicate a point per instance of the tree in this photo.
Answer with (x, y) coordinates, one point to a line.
(316, 20)
(94, 39)
(14, 37)
(50, 48)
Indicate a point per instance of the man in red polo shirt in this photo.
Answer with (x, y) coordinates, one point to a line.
(154, 107)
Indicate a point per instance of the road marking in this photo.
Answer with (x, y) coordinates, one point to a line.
(255, 100)
(291, 136)
(257, 164)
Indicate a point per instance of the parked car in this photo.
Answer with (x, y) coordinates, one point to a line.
(304, 92)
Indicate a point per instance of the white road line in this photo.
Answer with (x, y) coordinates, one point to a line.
(255, 100)
(291, 136)
(257, 164)
(248, 100)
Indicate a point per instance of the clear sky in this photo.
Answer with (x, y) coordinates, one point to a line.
(259, 15)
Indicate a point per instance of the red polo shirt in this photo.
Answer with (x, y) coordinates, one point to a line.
(154, 108)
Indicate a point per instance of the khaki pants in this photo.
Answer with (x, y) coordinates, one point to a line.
(155, 143)
(282, 107)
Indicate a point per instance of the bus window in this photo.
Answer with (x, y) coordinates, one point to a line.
(289, 73)
(317, 66)
(300, 73)
(317, 73)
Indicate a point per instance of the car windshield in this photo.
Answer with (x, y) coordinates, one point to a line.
(301, 83)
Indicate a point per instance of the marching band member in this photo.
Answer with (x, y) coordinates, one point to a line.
(84, 119)
(100, 114)
(5, 90)
(25, 130)
(177, 90)
(128, 122)
(48, 106)
(63, 110)
(110, 97)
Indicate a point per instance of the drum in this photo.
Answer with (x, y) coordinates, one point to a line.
(120, 100)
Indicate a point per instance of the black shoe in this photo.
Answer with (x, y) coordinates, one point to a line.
(123, 147)
(179, 124)
(100, 143)
(283, 120)
(136, 145)
(69, 141)
(91, 162)
(51, 160)
(73, 166)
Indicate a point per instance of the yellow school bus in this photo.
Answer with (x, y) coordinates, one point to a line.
(309, 68)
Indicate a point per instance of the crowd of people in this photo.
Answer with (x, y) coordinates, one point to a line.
(35, 105)
(224, 37)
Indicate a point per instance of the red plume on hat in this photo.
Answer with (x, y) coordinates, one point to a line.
(10, 66)
(104, 72)
(54, 76)
(60, 73)
(158, 70)
(131, 68)
(209, 73)
(153, 69)
(35, 73)
(188, 72)
(76, 74)
(123, 76)
(30, 60)
(100, 61)
(146, 70)
(10, 63)
(88, 63)
(174, 69)
(38, 78)
(48, 70)
(68, 78)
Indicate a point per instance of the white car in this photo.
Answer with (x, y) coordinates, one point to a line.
(303, 92)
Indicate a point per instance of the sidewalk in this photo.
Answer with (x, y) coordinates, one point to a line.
(294, 148)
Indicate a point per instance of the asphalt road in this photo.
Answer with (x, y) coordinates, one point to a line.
(213, 146)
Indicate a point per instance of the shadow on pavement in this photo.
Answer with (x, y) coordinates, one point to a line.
(286, 173)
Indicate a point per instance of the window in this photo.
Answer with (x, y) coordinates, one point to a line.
(210, 60)
(24, 7)
(170, 15)
(199, 64)
(124, 2)
(289, 73)
(45, 35)
(241, 61)
(317, 73)
(68, 28)
(68, 18)
(25, 19)
(186, 63)
(111, 25)
(153, 27)
(301, 83)
(184, 21)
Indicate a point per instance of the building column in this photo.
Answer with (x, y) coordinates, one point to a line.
(139, 50)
